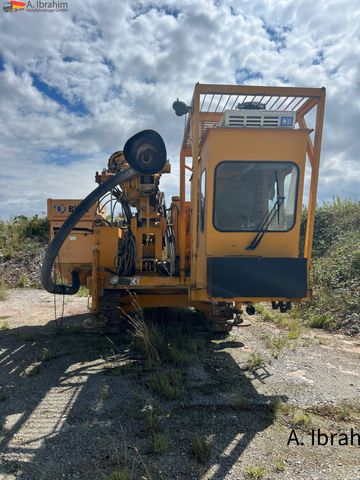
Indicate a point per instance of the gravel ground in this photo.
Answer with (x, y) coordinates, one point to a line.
(75, 402)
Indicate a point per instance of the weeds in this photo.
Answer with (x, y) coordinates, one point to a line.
(4, 291)
(275, 343)
(4, 325)
(166, 384)
(345, 412)
(300, 419)
(83, 291)
(160, 443)
(122, 473)
(279, 465)
(254, 361)
(201, 448)
(23, 281)
(294, 416)
(159, 342)
(323, 321)
(105, 394)
(256, 472)
(285, 321)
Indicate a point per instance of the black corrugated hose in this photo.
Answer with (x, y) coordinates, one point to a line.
(66, 228)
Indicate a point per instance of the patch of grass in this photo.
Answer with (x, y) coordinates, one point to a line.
(323, 321)
(147, 338)
(178, 356)
(344, 412)
(166, 384)
(300, 419)
(275, 343)
(160, 341)
(4, 325)
(279, 465)
(4, 291)
(160, 443)
(256, 472)
(152, 419)
(83, 291)
(201, 448)
(291, 322)
(23, 281)
(105, 394)
(294, 417)
(254, 361)
(122, 473)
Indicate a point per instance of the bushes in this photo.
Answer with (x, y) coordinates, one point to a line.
(336, 267)
(22, 235)
(336, 280)
(332, 220)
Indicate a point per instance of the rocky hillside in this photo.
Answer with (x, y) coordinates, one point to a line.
(23, 243)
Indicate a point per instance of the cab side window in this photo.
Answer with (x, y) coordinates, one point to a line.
(202, 200)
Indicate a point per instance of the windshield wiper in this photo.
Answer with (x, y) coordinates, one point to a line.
(265, 223)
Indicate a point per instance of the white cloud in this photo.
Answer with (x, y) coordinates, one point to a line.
(124, 64)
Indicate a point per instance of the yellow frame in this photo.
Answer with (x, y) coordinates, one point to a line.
(199, 121)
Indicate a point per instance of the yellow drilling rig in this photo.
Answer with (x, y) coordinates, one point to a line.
(234, 243)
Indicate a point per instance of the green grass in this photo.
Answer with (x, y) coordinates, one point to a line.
(201, 448)
(160, 443)
(276, 343)
(162, 341)
(335, 275)
(323, 321)
(254, 361)
(105, 394)
(279, 465)
(23, 281)
(289, 322)
(344, 412)
(122, 473)
(83, 291)
(166, 384)
(256, 473)
(4, 325)
(4, 291)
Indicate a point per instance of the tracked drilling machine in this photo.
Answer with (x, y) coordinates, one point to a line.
(234, 243)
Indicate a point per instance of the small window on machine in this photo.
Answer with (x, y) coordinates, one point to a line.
(255, 196)
(202, 199)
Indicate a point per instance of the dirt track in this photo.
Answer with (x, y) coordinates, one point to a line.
(67, 413)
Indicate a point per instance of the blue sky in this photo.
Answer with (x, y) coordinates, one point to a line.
(74, 86)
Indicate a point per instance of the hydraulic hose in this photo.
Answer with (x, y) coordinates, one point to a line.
(60, 237)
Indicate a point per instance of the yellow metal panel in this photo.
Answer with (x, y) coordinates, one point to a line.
(248, 144)
(106, 239)
(77, 247)
(60, 209)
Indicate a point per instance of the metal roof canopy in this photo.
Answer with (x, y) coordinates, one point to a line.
(210, 102)
(207, 107)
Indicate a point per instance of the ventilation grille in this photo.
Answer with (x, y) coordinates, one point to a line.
(258, 118)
